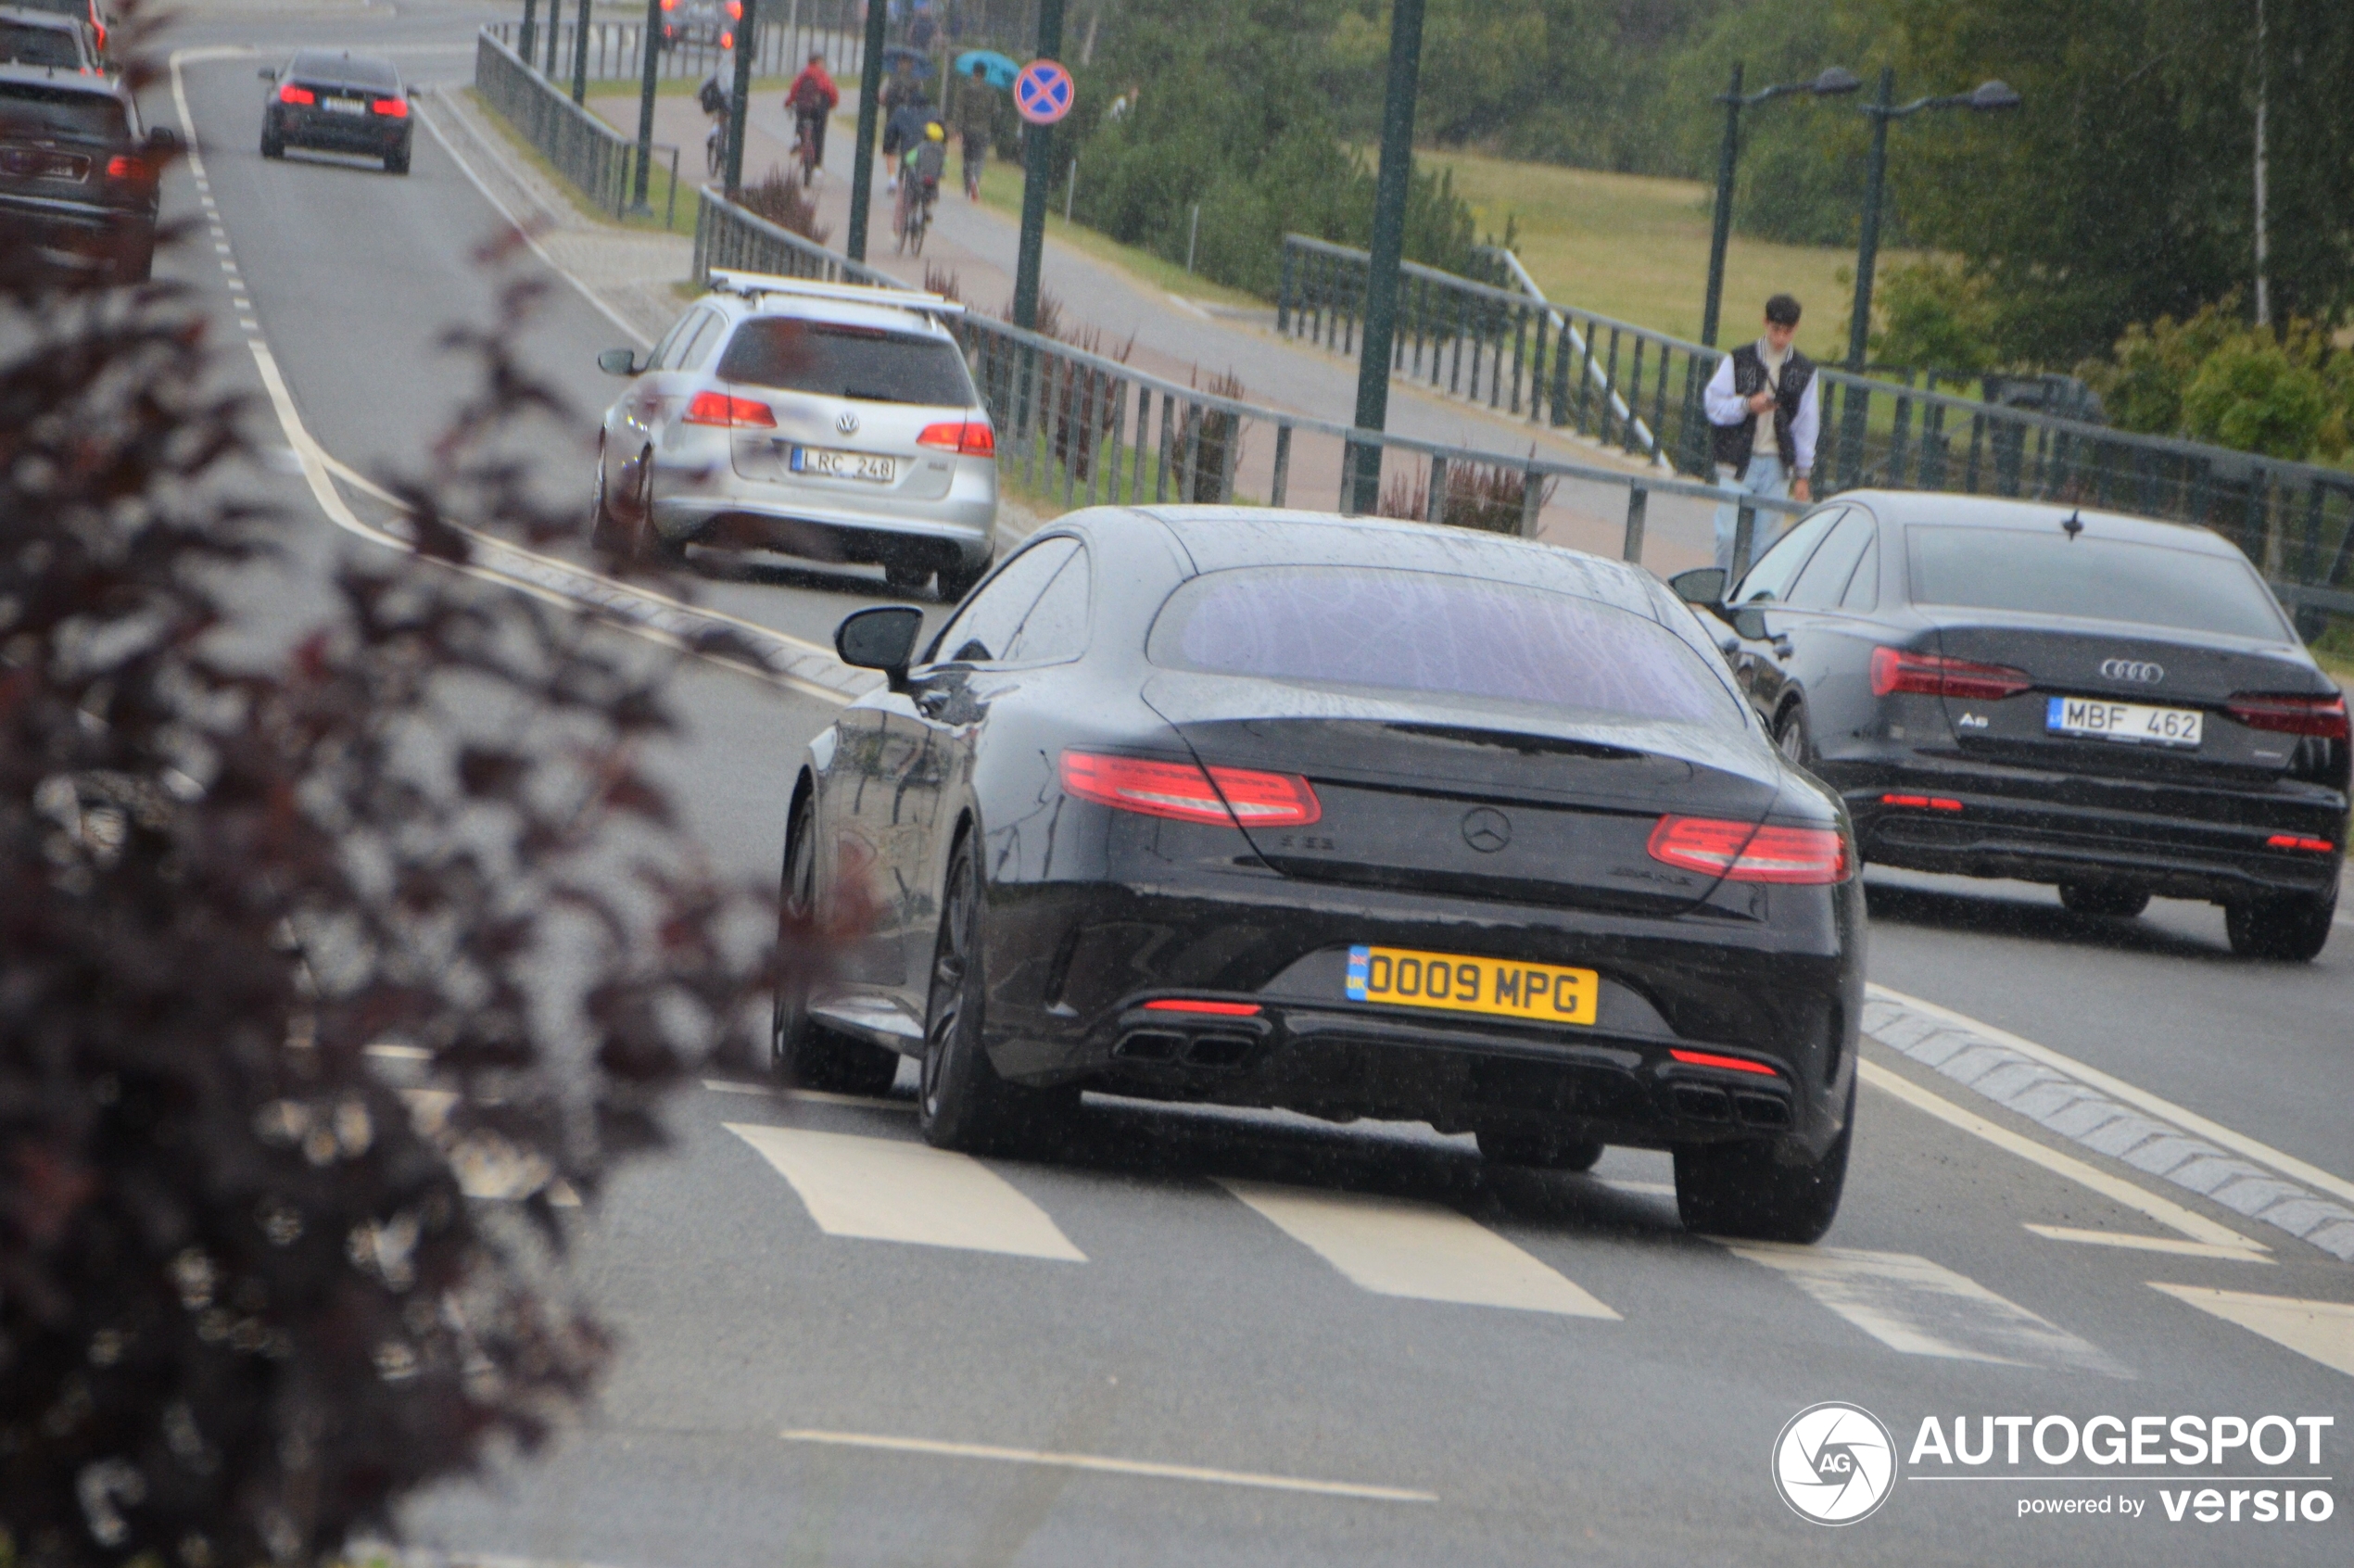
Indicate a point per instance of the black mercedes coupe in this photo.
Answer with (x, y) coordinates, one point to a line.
(1355, 817)
(2053, 694)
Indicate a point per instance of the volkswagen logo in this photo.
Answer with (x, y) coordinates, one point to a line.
(846, 421)
(2137, 670)
(1487, 829)
(1834, 1463)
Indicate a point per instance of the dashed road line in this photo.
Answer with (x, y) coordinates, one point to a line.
(1106, 1465)
(885, 1189)
(2321, 1330)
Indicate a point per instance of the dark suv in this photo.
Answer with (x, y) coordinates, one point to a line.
(77, 172)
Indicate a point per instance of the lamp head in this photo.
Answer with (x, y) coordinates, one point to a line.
(1994, 95)
(1836, 82)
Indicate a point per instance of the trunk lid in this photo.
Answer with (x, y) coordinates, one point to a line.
(813, 423)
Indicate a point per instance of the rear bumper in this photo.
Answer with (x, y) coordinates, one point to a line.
(322, 131)
(79, 234)
(702, 501)
(1080, 961)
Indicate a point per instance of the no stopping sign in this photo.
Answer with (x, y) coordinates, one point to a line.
(1043, 93)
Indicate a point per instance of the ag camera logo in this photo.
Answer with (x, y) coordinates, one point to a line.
(1834, 1463)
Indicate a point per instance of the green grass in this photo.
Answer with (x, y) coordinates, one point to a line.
(682, 221)
(1001, 188)
(1637, 248)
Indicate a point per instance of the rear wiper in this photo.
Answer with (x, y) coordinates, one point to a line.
(866, 395)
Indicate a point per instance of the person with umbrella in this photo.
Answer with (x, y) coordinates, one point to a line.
(976, 114)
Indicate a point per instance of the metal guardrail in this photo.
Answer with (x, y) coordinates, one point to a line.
(587, 151)
(616, 50)
(1079, 428)
(1549, 363)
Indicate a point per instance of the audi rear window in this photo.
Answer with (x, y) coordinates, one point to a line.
(837, 361)
(2046, 572)
(1426, 632)
(30, 109)
(26, 44)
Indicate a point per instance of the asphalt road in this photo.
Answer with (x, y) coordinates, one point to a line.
(1219, 1338)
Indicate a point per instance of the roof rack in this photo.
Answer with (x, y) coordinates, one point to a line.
(753, 284)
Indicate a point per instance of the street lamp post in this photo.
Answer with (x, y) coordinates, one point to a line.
(862, 157)
(1386, 249)
(739, 99)
(1835, 81)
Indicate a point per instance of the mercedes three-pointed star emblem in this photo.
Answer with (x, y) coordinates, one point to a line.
(1487, 829)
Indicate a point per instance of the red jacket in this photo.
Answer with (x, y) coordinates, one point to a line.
(810, 89)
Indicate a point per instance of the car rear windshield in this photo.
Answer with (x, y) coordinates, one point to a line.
(2046, 572)
(26, 109)
(1376, 627)
(356, 70)
(847, 361)
(26, 44)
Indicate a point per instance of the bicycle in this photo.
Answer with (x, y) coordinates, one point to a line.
(805, 147)
(917, 194)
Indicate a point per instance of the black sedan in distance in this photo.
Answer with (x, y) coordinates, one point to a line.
(2053, 694)
(330, 100)
(1355, 817)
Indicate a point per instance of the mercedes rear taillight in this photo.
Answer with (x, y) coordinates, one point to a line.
(1189, 792)
(2323, 718)
(718, 408)
(1928, 675)
(1742, 851)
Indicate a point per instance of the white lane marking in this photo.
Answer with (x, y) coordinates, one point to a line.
(1923, 1308)
(392, 1052)
(1399, 1247)
(819, 1096)
(2323, 1330)
(1642, 1189)
(1105, 1465)
(2167, 1212)
(2190, 1122)
(884, 1189)
(2147, 1243)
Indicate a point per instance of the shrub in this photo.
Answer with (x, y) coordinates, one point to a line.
(2251, 396)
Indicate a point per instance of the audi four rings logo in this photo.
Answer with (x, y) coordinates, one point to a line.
(1487, 829)
(1834, 1463)
(846, 421)
(2140, 670)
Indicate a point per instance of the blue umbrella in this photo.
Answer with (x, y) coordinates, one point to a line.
(918, 64)
(998, 71)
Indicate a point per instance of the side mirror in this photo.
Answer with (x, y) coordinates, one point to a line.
(1749, 625)
(619, 362)
(881, 637)
(268, 73)
(1703, 586)
(163, 142)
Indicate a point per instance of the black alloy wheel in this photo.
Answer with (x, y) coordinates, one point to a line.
(1750, 1190)
(1791, 736)
(955, 582)
(801, 1052)
(2291, 929)
(272, 147)
(1539, 1147)
(963, 1104)
(2118, 900)
(397, 162)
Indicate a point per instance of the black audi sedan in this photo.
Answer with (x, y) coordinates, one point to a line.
(2052, 695)
(1356, 817)
(335, 101)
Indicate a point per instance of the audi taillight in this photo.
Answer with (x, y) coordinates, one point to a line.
(2324, 717)
(392, 108)
(1189, 792)
(969, 437)
(1922, 802)
(1742, 851)
(718, 408)
(1929, 675)
(290, 94)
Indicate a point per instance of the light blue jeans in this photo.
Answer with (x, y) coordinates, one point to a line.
(1766, 477)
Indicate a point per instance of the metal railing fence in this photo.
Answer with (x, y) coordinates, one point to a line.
(584, 150)
(1628, 386)
(785, 35)
(1076, 428)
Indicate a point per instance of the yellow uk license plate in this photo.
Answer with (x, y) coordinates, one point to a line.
(1454, 983)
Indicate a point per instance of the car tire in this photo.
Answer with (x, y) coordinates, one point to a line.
(273, 146)
(906, 579)
(1748, 1190)
(802, 1053)
(2291, 929)
(962, 1102)
(1537, 1147)
(1793, 737)
(955, 582)
(397, 163)
(2111, 899)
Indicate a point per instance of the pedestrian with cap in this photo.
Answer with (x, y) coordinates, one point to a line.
(1765, 403)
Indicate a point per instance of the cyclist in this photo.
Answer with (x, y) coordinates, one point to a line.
(920, 169)
(976, 124)
(812, 98)
(712, 98)
(904, 127)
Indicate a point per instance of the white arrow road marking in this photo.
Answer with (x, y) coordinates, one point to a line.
(2323, 1330)
(1924, 1308)
(884, 1189)
(1399, 1247)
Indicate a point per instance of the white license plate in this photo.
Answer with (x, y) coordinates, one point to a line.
(343, 106)
(2100, 720)
(826, 463)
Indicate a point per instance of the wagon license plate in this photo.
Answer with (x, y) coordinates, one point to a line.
(1453, 983)
(2098, 719)
(829, 463)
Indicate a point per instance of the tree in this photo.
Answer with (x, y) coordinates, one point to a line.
(244, 1306)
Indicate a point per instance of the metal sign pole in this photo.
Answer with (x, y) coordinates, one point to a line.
(862, 158)
(652, 51)
(1389, 242)
(1721, 226)
(580, 57)
(739, 102)
(1037, 170)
